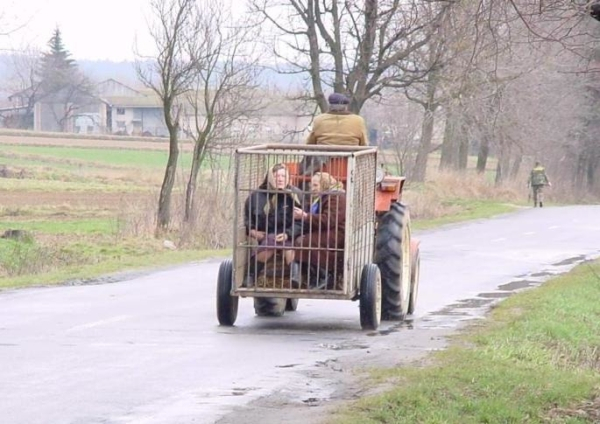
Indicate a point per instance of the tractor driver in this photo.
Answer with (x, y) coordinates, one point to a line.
(338, 126)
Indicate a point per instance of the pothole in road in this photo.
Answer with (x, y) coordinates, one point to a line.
(407, 324)
(343, 346)
(470, 303)
(444, 321)
(312, 401)
(542, 274)
(464, 310)
(474, 308)
(495, 295)
(571, 261)
(518, 285)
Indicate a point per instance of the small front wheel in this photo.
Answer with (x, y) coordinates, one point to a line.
(370, 297)
(269, 306)
(227, 305)
(291, 305)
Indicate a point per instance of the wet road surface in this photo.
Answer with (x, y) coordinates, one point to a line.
(149, 350)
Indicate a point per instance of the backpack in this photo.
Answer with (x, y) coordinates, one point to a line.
(538, 176)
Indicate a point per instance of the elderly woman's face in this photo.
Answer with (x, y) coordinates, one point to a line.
(315, 184)
(280, 177)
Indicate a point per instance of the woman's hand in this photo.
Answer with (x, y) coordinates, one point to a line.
(299, 213)
(258, 235)
(281, 237)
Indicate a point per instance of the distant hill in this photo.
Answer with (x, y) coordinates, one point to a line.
(99, 70)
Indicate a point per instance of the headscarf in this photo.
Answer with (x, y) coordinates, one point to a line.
(328, 185)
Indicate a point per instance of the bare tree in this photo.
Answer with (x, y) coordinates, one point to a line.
(225, 78)
(456, 56)
(23, 84)
(11, 24)
(358, 48)
(63, 103)
(396, 137)
(170, 74)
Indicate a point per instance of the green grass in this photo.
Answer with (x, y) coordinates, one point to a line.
(538, 350)
(74, 227)
(130, 158)
(123, 157)
(470, 209)
(124, 262)
(62, 170)
(26, 184)
(18, 162)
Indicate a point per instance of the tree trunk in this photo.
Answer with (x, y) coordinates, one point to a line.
(164, 201)
(449, 159)
(502, 169)
(420, 171)
(163, 217)
(463, 150)
(482, 156)
(498, 179)
(516, 166)
(197, 159)
(591, 169)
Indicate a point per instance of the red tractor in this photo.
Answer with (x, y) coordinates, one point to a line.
(379, 263)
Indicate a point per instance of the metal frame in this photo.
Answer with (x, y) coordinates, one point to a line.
(359, 236)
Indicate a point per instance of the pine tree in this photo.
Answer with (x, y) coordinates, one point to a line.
(63, 87)
(57, 69)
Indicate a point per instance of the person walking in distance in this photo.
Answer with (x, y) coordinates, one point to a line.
(537, 181)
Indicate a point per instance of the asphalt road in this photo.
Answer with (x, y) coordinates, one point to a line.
(149, 350)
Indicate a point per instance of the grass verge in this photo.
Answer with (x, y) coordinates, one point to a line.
(90, 248)
(108, 266)
(466, 209)
(536, 360)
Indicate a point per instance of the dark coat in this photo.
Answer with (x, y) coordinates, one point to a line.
(324, 233)
(280, 216)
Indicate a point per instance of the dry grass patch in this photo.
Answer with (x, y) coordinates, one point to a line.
(450, 193)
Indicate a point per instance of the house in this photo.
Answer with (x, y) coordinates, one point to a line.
(109, 108)
(270, 117)
(15, 117)
(112, 107)
(131, 111)
(70, 111)
(285, 120)
(17, 112)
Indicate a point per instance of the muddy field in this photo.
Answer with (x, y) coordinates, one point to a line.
(81, 142)
(70, 201)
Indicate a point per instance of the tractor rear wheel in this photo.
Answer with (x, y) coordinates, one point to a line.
(227, 305)
(392, 255)
(269, 306)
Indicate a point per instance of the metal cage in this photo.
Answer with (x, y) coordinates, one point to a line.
(352, 167)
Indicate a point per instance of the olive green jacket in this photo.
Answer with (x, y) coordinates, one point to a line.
(339, 129)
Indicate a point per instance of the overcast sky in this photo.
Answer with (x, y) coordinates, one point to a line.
(101, 29)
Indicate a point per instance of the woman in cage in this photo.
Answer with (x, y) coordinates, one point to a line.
(322, 244)
(269, 219)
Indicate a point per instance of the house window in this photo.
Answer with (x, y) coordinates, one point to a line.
(120, 124)
(120, 111)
